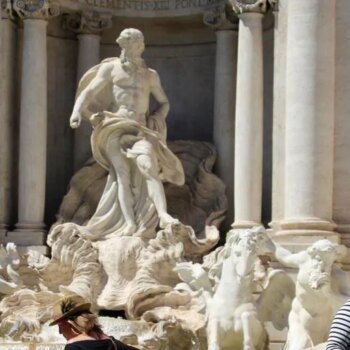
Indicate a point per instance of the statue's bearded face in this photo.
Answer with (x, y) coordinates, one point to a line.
(131, 41)
(321, 265)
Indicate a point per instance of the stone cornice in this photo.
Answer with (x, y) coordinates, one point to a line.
(142, 8)
(252, 6)
(88, 22)
(36, 9)
(221, 17)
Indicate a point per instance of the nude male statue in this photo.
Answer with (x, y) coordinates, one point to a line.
(115, 97)
(318, 295)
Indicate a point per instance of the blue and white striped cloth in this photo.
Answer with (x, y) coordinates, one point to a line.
(339, 334)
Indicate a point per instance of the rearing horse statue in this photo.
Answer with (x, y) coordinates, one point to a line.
(235, 317)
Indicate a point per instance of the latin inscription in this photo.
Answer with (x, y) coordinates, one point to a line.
(150, 5)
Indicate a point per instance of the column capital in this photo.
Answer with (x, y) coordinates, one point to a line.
(274, 5)
(221, 17)
(248, 6)
(88, 22)
(36, 9)
(7, 9)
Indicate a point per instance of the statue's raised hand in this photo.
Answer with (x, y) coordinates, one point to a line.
(75, 120)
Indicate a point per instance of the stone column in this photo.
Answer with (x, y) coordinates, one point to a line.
(7, 115)
(341, 192)
(309, 146)
(224, 22)
(249, 114)
(88, 25)
(279, 8)
(30, 229)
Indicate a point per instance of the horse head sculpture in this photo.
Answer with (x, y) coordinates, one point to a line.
(244, 246)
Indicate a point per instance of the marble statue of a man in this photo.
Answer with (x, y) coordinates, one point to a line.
(128, 141)
(318, 295)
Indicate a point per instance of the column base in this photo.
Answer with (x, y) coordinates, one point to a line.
(344, 233)
(245, 224)
(30, 226)
(305, 224)
(26, 237)
(3, 228)
(3, 232)
(298, 234)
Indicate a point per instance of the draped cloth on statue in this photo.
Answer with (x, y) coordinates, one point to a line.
(134, 140)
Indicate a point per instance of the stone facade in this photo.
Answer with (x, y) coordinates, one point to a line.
(269, 101)
(265, 81)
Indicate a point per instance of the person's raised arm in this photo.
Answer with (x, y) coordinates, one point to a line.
(95, 86)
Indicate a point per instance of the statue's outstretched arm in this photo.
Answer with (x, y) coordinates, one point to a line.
(289, 259)
(96, 85)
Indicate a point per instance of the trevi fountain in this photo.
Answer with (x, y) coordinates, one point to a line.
(183, 165)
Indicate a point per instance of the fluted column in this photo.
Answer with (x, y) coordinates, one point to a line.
(33, 121)
(341, 193)
(88, 25)
(309, 129)
(249, 114)
(7, 115)
(279, 8)
(224, 22)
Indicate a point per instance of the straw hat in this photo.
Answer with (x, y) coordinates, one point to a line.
(69, 306)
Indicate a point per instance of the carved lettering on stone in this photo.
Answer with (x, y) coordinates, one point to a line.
(243, 6)
(39, 9)
(150, 5)
(88, 22)
(220, 17)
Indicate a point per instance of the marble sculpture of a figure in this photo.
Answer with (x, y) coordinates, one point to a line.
(321, 288)
(128, 141)
(117, 258)
(228, 280)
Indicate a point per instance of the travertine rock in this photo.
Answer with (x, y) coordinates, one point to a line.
(124, 273)
(10, 280)
(138, 273)
(24, 312)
